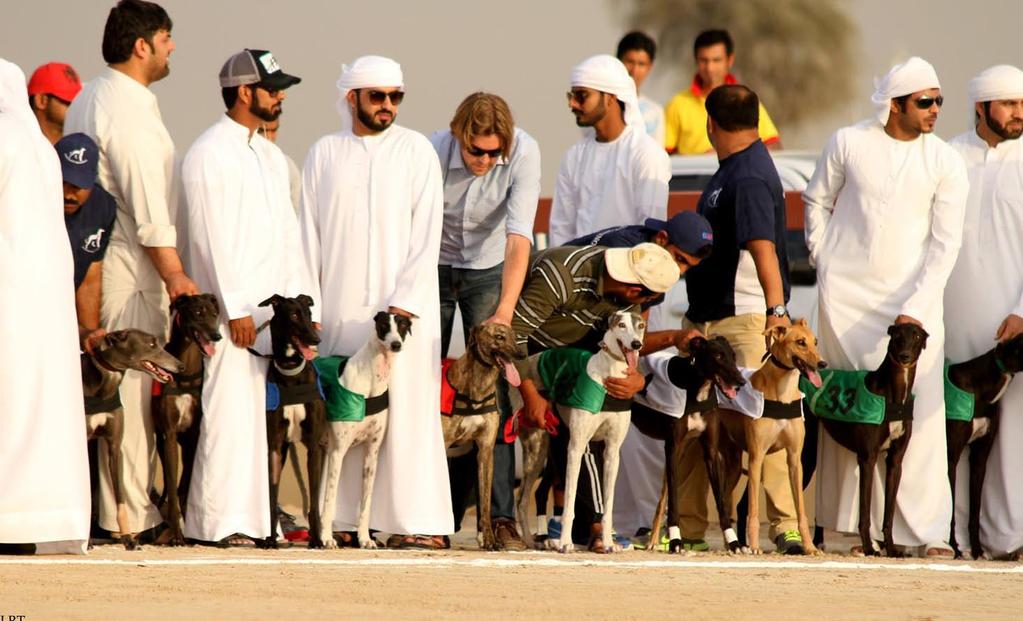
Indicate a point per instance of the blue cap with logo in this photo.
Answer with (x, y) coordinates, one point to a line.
(79, 160)
(689, 231)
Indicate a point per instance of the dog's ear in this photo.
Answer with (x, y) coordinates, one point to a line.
(776, 333)
(697, 343)
(304, 300)
(470, 341)
(891, 330)
(404, 325)
(273, 300)
(212, 300)
(178, 301)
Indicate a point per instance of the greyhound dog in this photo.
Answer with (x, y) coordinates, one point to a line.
(792, 352)
(177, 404)
(710, 366)
(892, 381)
(473, 415)
(365, 376)
(985, 378)
(298, 412)
(102, 372)
(619, 352)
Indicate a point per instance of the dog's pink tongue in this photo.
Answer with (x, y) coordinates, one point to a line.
(814, 377)
(730, 391)
(207, 346)
(632, 358)
(511, 373)
(306, 351)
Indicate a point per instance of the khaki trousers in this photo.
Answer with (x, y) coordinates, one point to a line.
(745, 333)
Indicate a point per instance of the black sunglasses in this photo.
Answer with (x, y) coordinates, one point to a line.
(578, 96)
(478, 152)
(377, 97)
(925, 103)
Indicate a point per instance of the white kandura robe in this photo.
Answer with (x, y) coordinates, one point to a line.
(244, 248)
(604, 184)
(44, 491)
(372, 213)
(883, 224)
(985, 287)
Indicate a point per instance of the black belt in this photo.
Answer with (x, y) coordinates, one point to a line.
(711, 402)
(175, 389)
(99, 405)
(464, 406)
(377, 404)
(899, 411)
(299, 393)
(612, 404)
(783, 411)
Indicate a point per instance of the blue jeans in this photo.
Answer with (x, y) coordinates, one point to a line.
(476, 293)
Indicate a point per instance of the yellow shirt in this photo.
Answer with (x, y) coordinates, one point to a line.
(686, 122)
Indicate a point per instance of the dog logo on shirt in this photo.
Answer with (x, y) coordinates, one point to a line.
(93, 242)
(76, 156)
(712, 200)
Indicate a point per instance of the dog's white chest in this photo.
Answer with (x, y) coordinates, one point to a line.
(184, 405)
(294, 414)
(461, 429)
(981, 427)
(95, 421)
(896, 429)
(695, 424)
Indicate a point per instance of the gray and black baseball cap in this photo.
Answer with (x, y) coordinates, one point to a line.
(255, 67)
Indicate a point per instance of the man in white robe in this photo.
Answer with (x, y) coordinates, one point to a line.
(984, 296)
(372, 214)
(141, 266)
(616, 174)
(884, 217)
(244, 248)
(44, 495)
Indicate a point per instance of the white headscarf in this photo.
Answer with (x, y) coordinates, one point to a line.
(916, 74)
(365, 72)
(14, 94)
(607, 74)
(995, 83)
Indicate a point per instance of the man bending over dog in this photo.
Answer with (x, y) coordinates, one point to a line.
(244, 241)
(569, 294)
(491, 172)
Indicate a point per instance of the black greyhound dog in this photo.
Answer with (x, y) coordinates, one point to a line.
(985, 379)
(710, 365)
(892, 381)
(177, 405)
(102, 372)
(300, 412)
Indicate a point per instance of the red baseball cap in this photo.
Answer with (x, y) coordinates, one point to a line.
(57, 79)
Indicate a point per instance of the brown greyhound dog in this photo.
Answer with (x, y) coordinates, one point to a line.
(985, 378)
(472, 415)
(177, 404)
(102, 372)
(791, 352)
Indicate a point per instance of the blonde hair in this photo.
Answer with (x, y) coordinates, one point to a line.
(484, 114)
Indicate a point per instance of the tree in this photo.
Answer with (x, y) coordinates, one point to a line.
(796, 54)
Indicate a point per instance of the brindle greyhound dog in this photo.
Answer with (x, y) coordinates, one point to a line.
(710, 365)
(474, 416)
(177, 404)
(301, 413)
(102, 372)
(893, 380)
(792, 352)
(985, 377)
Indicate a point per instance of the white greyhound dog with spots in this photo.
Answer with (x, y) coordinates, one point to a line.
(368, 374)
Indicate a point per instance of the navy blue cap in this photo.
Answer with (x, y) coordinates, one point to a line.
(689, 231)
(79, 160)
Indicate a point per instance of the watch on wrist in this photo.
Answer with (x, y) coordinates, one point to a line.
(778, 311)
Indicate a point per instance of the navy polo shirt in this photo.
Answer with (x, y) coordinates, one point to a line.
(743, 201)
(89, 230)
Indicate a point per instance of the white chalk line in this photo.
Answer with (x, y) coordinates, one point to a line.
(529, 560)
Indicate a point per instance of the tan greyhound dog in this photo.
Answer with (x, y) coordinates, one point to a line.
(792, 351)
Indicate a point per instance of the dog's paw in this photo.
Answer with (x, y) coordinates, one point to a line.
(315, 543)
(551, 544)
(893, 552)
(610, 547)
(674, 546)
(368, 543)
(129, 543)
(754, 550)
(327, 544)
(268, 543)
(812, 550)
(567, 548)
(734, 547)
(977, 553)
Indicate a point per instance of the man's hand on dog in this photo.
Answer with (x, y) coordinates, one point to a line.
(400, 311)
(243, 331)
(91, 338)
(772, 321)
(625, 387)
(1010, 328)
(682, 338)
(180, 284)
(907, 319)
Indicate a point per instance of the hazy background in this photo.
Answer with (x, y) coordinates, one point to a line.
(522, 50)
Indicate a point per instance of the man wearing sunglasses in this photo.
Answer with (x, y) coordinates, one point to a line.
(984, 296)
(372, 213)
(244, 247)
(491, 173)
(616, 174)
(884, 222)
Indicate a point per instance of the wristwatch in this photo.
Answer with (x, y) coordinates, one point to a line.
(778, 311)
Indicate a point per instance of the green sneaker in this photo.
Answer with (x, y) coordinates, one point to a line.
(789, 542)
(695, 545)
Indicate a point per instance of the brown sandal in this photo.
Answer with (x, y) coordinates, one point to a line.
(424, 542)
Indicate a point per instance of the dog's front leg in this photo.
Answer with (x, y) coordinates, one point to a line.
(369, 474)
(577, 441)
(891, 490)
(954, 451)
(979, 452)
(170, 485)
(113, 442)
(338, 442)
(866, 464)
(485, 481)
(793, 454)
(315, 441)
(274, 469)
(619, 426)
(535, 445)
(756, 472)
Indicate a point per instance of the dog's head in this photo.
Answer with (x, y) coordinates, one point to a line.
(291, 327)
(1010, 354)
(392, 330)
(493, 344)
(624, 336)
(905, 343)
(196, 317)
(714, 360)
(796, 346)
(138, 350)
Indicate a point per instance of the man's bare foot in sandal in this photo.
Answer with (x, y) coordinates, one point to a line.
(236, 540)
(425, 542)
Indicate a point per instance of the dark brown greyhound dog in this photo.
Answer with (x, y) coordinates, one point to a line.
(985, 378)
(710, 365)
(300, 413)
(473, 415)
(177, 404)
(892, 380)
(102, 372)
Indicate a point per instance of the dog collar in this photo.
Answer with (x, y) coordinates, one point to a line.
(899, 364)
(98, 357)
(290, 372)
(778, 363)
